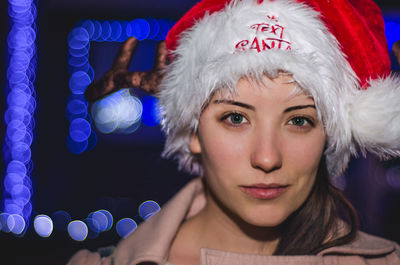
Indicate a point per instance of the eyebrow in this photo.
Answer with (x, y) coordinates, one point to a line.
(299, 107)
(235, 103)
(247, 106)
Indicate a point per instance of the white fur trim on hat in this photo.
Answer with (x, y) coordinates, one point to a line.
(374, 116)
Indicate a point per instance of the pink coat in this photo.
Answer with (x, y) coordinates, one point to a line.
(151, 242)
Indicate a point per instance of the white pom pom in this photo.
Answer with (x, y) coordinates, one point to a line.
(375, 117)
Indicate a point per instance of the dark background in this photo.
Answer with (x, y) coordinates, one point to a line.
(123, 171)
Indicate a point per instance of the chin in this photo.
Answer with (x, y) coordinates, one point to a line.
(265, 218)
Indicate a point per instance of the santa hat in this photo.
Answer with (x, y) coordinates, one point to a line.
(336, 51)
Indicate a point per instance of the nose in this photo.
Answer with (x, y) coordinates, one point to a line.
(266, 153)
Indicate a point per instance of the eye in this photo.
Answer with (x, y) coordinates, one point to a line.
(301, 122)
(234, 119)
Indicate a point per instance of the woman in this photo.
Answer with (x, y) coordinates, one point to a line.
(266, 100)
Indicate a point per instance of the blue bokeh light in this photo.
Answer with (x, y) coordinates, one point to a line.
(116, 30)
(98, 221)
(27, 211)
(154, 27)
(61, 220)
(79, 82)
(138, 28)
(3, 221)
(21, 152)
(18, 224)
(105, 31)
(109, 219)
(148, 208)
(88, 25)
(125, 227)
(79, 52)
(17, 113)
(18, 97)
(77, 230)
(83, 68)
(93, 228)
(20, 194)
(43, 225)
(12, 179)
(76, 109)
(151, 113)
(97, 30)
(16, 167)
(12, 208)
(81, 61)
(78, 38)
(76, 147)
(10, 222)
(124, 35)
(163, 30)
(79, 130)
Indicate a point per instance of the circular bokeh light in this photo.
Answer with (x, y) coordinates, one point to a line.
(148, 209)
(125, 227)
(61, 220)
(43, 225)
(77, 230)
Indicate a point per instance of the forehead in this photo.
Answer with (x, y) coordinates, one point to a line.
(282, 89)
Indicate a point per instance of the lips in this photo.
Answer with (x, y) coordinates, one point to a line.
(265, 191)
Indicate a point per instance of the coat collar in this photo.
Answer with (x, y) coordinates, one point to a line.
(152, 240)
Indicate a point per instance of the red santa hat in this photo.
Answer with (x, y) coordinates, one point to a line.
(335, 50)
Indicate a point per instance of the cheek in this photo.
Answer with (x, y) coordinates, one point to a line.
(303, 154)
(303, 158)
(222, 150)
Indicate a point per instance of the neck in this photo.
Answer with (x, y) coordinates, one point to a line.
(219, 228)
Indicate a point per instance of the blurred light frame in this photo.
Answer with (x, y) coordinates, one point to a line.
(19, 115)
(82, 74)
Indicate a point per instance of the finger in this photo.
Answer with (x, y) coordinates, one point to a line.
(135, 78)
(161, 58)
(124, 55)
(85, 257)
(106, 261)
(149, 81)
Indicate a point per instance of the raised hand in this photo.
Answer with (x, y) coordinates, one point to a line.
(119, 77)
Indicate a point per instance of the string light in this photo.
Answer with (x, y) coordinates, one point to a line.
(97, 222)
(21, 105)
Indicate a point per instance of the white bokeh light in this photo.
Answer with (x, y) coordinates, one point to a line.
(118, 112)
(43, 225)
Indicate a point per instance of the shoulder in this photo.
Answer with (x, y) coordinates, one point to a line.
(372, 243)
(375, 249)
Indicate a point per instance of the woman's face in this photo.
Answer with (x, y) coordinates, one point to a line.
(260, 149)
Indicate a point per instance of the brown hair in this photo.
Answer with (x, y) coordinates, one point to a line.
(315, 225)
